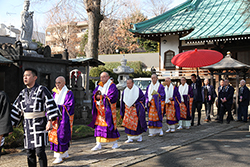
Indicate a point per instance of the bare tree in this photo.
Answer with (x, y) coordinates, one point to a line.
(106, 33)
(62, 30)
(158, 7)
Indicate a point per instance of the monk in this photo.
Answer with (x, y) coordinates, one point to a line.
(133, 112)
(64, 99)
(186, 93)
(172, 107)
(105, 97)
(155, 101)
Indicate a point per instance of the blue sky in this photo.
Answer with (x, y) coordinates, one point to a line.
(14, 8)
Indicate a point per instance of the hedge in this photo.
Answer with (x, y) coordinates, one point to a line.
(109, 66)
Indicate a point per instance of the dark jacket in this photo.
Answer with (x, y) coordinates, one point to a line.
(244, 95)
(228, 93)
(5, 120)
(197, 90)
(210, 92)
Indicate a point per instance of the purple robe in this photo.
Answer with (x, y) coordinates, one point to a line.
(110, 131)
(142, 125)
(177, 95)
(186, 102)
(64, 131)
(157, 98)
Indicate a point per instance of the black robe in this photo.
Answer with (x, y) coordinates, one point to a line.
(5, 119)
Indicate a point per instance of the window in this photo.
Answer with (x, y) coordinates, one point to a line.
(168, 55)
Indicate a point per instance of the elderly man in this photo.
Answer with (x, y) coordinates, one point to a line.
(155, 96)
(243, 101)
(133, 112)
(226, 101)
(39, 109)
(220, 88)
(5, 122)
(208, 97)
(172, 107)
(60, 136)
(105, 97)
(186, 93)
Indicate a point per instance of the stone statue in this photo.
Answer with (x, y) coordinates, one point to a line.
(79, 79)
(27, 27)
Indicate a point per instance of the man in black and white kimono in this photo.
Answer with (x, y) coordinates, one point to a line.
(39, 109)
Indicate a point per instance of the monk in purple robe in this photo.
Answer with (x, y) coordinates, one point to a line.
(64, 99)
(105, 97)
(155, 101)
(186, 93)
(133, 112)
(172, 107)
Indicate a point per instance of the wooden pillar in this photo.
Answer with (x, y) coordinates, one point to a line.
(237, 94)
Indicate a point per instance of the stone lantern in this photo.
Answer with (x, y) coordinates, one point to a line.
(123, 72)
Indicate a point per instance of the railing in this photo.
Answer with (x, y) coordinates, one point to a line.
(182, 73)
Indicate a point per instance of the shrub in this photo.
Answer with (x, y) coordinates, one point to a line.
(109, 66)
(15, 139)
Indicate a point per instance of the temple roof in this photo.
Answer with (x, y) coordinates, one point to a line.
(81, 61)
(227, 63)
(3, 60)
(205, 19)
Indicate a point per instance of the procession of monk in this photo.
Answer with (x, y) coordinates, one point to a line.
(49, 117)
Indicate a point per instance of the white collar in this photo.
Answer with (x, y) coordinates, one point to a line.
(169, 92)
(105, 87)
(151, 88)
(183, 90)
(60, 98)
(130, 95)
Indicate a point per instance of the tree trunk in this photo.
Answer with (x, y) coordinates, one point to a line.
(94, 20)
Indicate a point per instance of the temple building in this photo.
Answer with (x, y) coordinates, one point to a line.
(221, 25)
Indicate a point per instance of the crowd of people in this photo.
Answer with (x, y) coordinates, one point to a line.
(49, 117)
(178, 103)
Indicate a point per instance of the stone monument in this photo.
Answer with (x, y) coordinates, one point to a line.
(123, 72)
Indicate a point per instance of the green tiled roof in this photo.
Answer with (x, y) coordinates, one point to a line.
(206, 19)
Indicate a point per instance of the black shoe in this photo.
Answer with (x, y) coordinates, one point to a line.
(192, 124)
(217, 118)
(228, 122)
(219, 122)
(198, 124)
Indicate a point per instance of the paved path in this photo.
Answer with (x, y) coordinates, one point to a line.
(126, 154)
(226, 149)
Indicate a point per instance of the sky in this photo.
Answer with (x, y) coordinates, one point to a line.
(10, 12)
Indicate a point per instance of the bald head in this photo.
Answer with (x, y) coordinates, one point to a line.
(167, 81)
(60, 82)
(104, 77)
(154, 78)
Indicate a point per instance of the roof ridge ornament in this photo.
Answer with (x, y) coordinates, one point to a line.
(228, 54)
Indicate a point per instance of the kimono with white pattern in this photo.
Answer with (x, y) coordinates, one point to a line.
(38, 99)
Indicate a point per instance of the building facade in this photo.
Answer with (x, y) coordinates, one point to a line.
(66, 36)
(221, 25)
